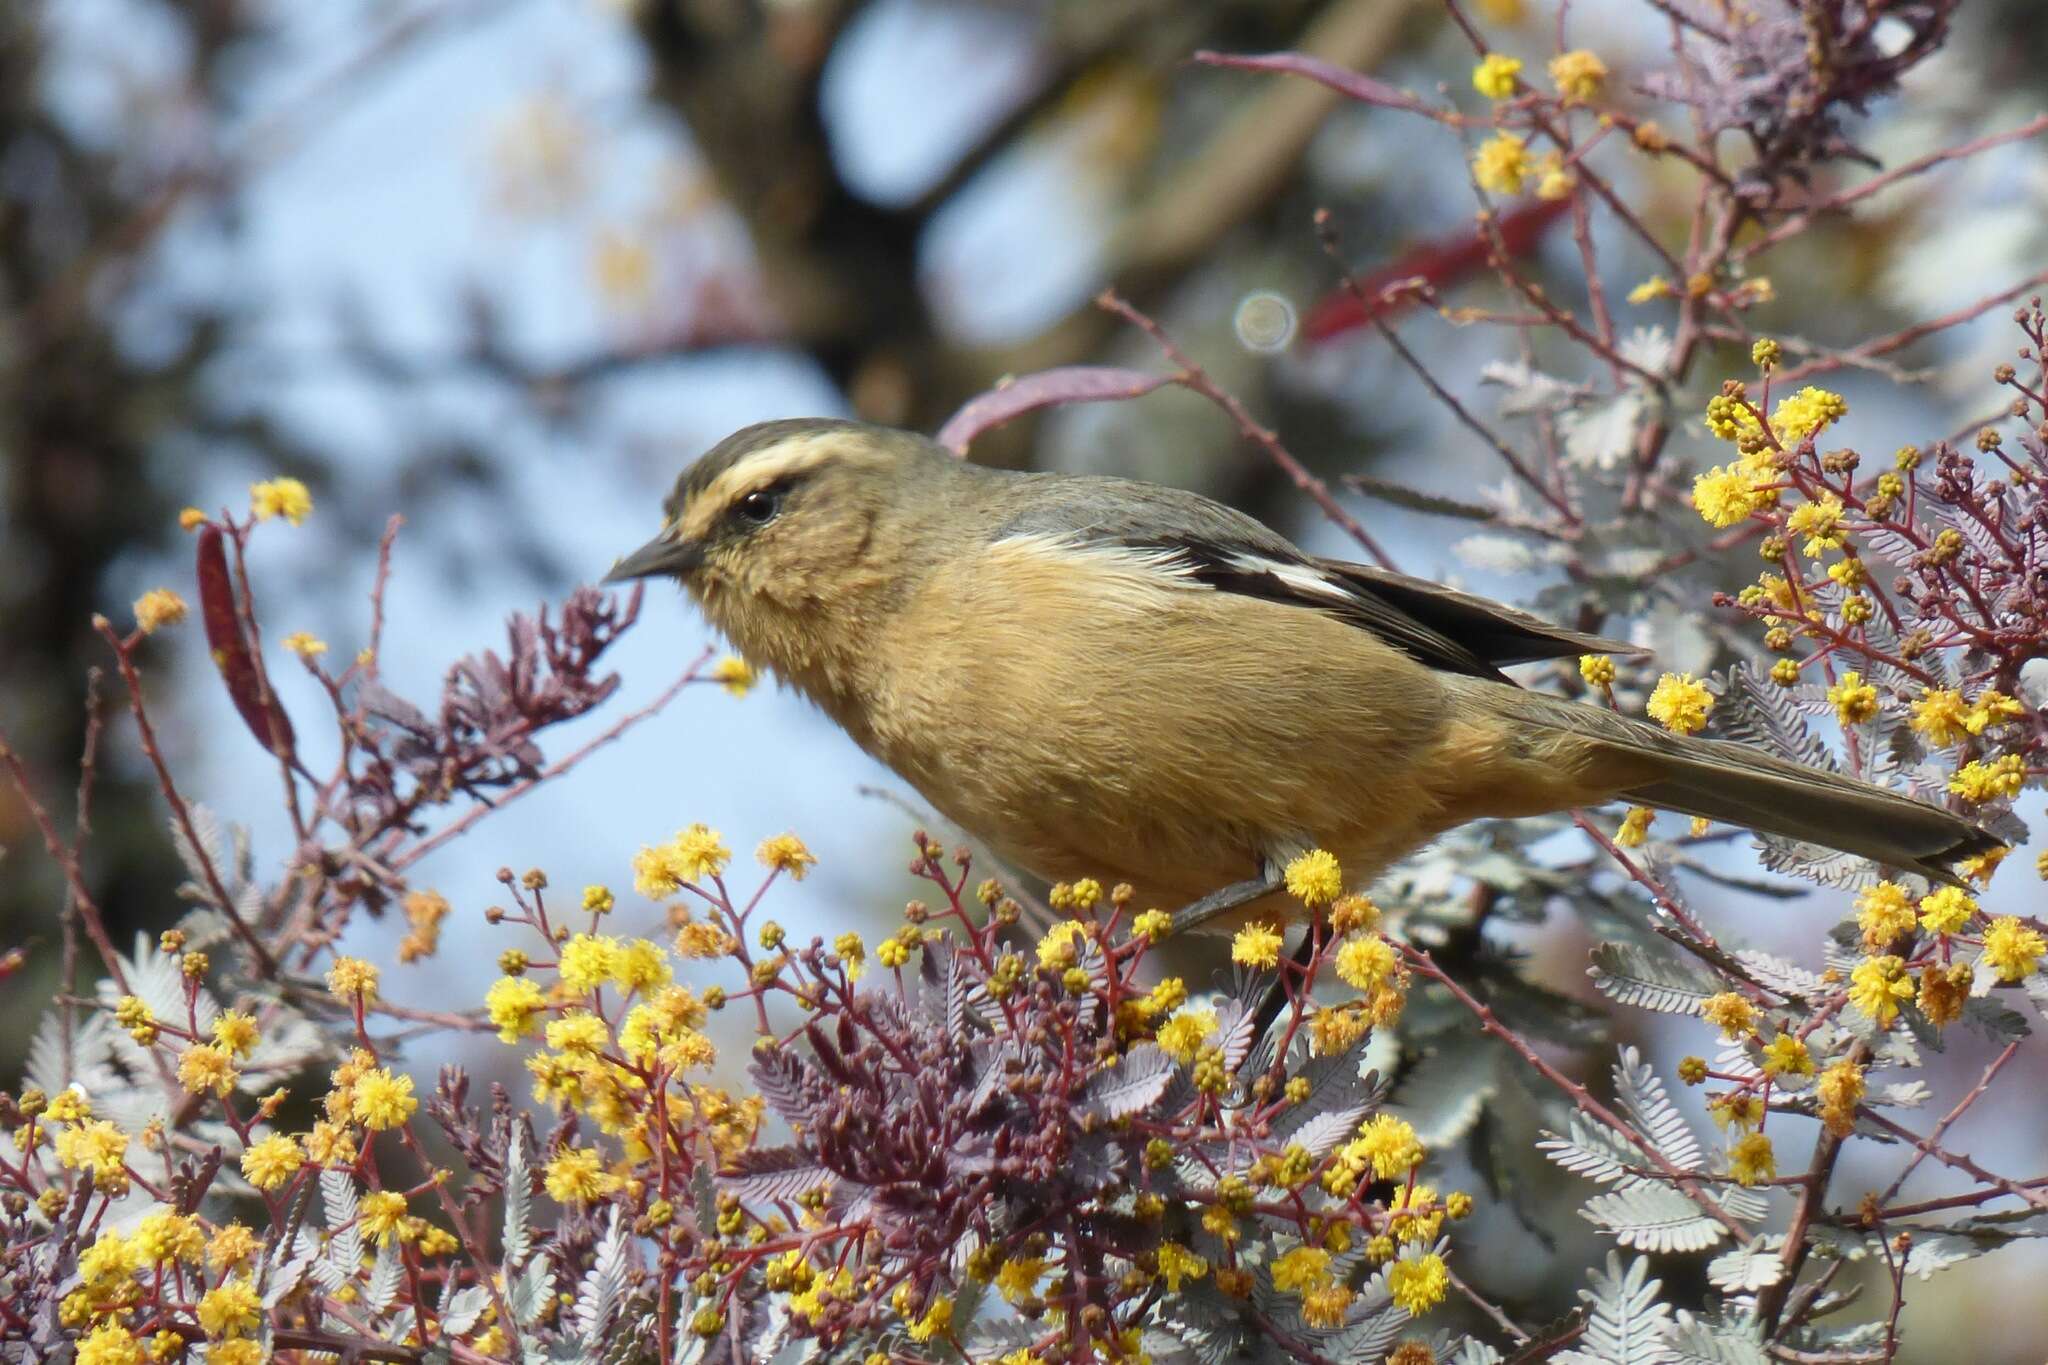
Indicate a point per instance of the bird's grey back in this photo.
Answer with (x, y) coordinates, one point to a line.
(1100, 508)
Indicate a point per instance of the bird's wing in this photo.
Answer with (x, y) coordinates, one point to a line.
(1221, 548)
(1496, 633)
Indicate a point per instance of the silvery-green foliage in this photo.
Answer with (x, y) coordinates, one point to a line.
(598, 1297)
(1626, 1322)
(1648, 978)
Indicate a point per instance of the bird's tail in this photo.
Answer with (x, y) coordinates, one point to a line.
(1743, 785)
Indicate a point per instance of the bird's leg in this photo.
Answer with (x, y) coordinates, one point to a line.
(1227, 898)
(1275, 998)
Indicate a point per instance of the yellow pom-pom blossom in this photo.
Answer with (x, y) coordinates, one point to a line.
(97, 1147)
(1993, 708)
(207, 1066)
(1751, 1160)
(1180, 1036)
(1730, 1013)
(1501, 164)
(109, 1344)
(1806, 412)
(164, 1237)
(1839, 1090)
(1854, 700)
(283, 497)
(1597, 669)
(1177, 1263)
(580, 1033)
(231, 1245)
(382, 1100)
(1365, 962)
(1418, 1283)
(1944, 993)
(1389, 1145)
(110, 1259)
(1884, 913)
(383, 1215)
(936, 1319)
(1301, 1270)
(1729, 493)
(69, 1105)
(2012, 949)
(1680, 703)
(1656, 287)
(1978, 781)
(236, 1032)
(699, 853)
(1785, 1055)
(1877, 985)
(640, 965)
(1495, 76)
(578, 1176)
(1315, 879)
(1578, 74)
(350, 977)
(513, 1003)
(1947, 910)
(1635, 827)
(272, 1161)
(786, 853)
(1152, 925)
(1354, 914)
(157, 608)
(696, 854)
(1978, 869)
(1061, 945)
(1820, 522)
(230, 1309)
(1257, 945)
(734, 674)
(588, 961)
(305, 644)
(1941, 717)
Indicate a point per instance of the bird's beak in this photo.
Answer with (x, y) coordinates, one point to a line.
(665, 554)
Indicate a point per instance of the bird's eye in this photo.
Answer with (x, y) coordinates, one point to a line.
(759, 507)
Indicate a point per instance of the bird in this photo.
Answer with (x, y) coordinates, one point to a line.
(1100, 677)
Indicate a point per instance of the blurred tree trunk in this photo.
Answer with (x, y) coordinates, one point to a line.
(843, 272)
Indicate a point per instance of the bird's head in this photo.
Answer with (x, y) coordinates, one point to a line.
(794, 534)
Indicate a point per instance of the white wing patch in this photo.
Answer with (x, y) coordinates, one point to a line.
(1302, 578)
(1161, 562)
(1146, 569)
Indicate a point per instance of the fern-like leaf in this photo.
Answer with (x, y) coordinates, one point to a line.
(1643, 1096)
(1746, 1268)
(518, 1200)
(1594, 1151)
(1132, 1083)
(1645, 978)
(1626, 1324)
(1653, 1218)
(1701, 1341)
(602, 1290)
(339, 1206)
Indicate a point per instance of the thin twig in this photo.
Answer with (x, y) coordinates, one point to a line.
(1195, 378)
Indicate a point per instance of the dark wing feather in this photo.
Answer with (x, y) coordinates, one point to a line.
(1259, 574)
(1230, 552)
(1498, 634)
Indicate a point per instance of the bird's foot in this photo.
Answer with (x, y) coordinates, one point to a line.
(1197, 913)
